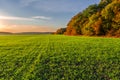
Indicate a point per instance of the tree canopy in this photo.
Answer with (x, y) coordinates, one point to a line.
(97, 19)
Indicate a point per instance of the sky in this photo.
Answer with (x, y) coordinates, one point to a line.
(39, 15)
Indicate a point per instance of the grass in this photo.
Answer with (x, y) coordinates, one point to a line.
(57, 57)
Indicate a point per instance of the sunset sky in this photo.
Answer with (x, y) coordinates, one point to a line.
(38, 15)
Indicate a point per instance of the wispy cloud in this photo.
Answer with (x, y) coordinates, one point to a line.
(23, 18)
(51, 5)
(14, 18)
(42, 17)
(57, 5)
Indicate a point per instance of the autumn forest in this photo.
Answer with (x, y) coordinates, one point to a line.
(101, 19)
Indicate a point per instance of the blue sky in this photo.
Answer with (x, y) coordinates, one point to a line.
(39, 15)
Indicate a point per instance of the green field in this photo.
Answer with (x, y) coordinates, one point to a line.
(58, 57)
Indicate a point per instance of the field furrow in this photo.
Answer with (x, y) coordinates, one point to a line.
(57, 57)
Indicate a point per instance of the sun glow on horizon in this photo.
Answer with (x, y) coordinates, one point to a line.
(2, 26)
(9, 24)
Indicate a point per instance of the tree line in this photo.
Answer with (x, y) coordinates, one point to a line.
(96, 20)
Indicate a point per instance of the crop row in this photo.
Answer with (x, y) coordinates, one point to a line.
(56, 57)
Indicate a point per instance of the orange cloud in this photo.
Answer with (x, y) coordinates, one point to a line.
(27, 28)
(6, 26)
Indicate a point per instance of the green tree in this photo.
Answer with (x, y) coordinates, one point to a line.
(60, 31)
